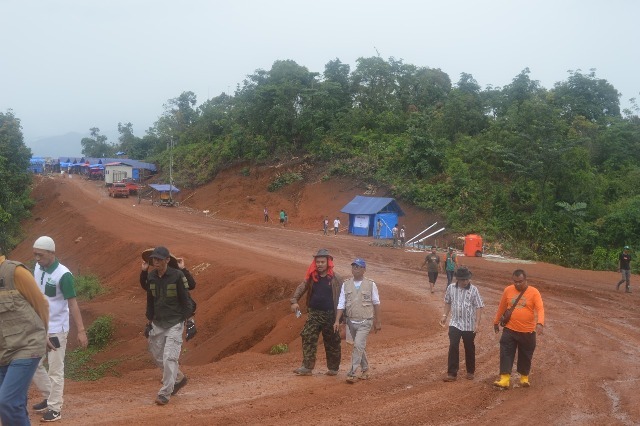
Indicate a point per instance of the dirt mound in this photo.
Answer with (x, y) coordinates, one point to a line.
(584, 366)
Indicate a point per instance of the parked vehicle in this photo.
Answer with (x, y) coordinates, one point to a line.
(119, 189)
(132, 186)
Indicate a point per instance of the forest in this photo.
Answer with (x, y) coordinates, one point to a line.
(550, 173)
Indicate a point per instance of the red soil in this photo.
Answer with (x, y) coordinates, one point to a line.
(584, 368)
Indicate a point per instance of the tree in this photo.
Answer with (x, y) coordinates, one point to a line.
(97, 145)
(14, 191)
(588, 96)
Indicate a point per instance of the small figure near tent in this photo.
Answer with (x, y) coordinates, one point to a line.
(378, 228)
(402, 235)
(336, 225)
(325, 225)
(394, 234)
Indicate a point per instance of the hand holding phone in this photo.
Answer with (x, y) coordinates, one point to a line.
(55, 342)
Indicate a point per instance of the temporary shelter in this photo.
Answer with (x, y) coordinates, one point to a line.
(364, 213)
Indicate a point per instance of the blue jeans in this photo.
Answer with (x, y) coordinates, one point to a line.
(15, 379)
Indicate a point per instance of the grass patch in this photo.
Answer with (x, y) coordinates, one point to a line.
(283, 180)
(280, 348)
(88, 286)
(79, 363)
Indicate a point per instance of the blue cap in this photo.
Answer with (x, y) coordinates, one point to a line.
(359, 262)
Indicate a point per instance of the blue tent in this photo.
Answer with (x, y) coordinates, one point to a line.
(364, 213)
(164, 187)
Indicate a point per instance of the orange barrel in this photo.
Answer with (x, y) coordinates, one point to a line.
(473, 245)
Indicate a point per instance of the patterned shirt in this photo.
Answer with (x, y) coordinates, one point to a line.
(464, 301)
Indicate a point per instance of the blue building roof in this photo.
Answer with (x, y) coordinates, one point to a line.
(91, 160)
(372, 205)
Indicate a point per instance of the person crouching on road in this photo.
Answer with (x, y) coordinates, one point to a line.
(360, 300)
(24, 315)
(520, 330)
(322, 287)
(168, 307)
(463, 300)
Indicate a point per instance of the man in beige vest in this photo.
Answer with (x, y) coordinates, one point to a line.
(24, 315)
(360, 300)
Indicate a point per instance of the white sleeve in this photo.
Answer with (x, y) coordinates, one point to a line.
(375, 297)
(341, 298)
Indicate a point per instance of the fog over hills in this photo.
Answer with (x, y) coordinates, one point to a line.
(58, 146)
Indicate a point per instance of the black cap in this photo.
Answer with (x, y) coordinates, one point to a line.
(160, 253)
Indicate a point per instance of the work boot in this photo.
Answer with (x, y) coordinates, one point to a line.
(503, 383)
(524, 381)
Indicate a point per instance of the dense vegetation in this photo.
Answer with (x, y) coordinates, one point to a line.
(14, 181)
(551, 174)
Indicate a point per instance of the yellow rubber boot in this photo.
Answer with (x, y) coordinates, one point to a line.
(504, 381)
(524, 381)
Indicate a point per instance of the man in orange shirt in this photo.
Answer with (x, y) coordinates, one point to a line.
(519, 333)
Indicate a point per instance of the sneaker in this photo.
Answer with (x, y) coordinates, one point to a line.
(303, 371)
(179, 385)
(40, 407)
(450, 378)
(364, 375)
(470, 376)
(162, 400)
(331, 372)
(51, 416)
(352, 379)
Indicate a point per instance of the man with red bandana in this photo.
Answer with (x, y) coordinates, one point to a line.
(322, 287)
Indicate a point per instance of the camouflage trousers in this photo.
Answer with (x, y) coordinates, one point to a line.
(317, 322)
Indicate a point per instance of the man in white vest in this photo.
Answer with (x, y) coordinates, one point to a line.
(360, 300)
(56, 283)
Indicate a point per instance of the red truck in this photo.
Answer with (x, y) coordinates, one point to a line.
(132, 187)
(119, 189)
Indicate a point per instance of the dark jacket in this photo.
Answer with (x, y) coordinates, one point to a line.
(306, 287)
(168, 299)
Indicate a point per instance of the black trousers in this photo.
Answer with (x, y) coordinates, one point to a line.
(468, 338)
(524, 343)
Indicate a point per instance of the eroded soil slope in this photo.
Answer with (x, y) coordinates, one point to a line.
(584, 371)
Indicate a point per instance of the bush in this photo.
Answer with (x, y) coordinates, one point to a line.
(283, 180)
(100, 332)
(280, 348)
(88, 286)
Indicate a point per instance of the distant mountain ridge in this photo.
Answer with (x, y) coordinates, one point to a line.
(58, 146)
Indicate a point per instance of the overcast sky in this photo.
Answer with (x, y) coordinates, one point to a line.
(67, 66)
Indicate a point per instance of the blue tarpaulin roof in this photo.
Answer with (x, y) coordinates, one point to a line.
(372, 205)
(163, 187)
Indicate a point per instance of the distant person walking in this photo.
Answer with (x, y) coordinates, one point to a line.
(394, 233)
(463, 301)
(625, 269)
(520, 329)
(282, 217)
(325, 225)
(336, 225)
(432, 261)
(57, 284)
(378, 228)
(360, 300)
(450, 264)
(286, 218)
(402, 236)
(322, 287)
(24, 315)
(266, 214)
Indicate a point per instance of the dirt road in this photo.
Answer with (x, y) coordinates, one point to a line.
(585, 368)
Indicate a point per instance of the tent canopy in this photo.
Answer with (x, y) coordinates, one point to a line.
(164, 187)
(372, 205)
